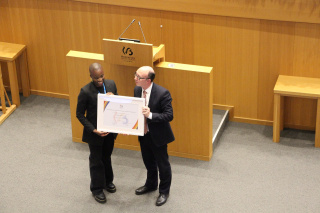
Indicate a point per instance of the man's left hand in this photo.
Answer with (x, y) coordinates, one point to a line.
(146, 111)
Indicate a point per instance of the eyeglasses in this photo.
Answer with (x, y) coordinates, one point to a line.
(139, 78)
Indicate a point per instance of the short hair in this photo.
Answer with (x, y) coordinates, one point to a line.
(151, 75)
(94, 66)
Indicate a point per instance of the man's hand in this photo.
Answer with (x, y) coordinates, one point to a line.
(109, 93)
(146, 111)
(100, 133)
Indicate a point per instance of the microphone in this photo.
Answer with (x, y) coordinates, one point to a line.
(142, 32)
(126, 28)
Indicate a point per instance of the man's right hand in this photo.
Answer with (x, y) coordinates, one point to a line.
(100, 133)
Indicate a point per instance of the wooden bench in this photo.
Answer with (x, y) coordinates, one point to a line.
(295, 87)
(9, 53)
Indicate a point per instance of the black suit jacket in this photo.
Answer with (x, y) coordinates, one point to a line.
(87, 102)
(162, 113)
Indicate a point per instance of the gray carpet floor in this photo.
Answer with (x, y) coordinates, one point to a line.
(42, 170)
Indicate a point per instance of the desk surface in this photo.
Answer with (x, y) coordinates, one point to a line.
(9, 51)
(298, 86)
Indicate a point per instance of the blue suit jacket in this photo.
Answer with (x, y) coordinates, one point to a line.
(162, 113)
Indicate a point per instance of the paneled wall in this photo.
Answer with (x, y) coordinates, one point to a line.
(284, 10)
(247, 54)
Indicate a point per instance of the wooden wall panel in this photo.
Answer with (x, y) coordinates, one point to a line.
(31, 27)
(209, 50)
(284, 10)
(276, 57)
(85, 27)
(5, 33)
(242, 57)
(26, 30)
(306, 63)
(246, 54)
(178, 37)
(56, 39)
(5, 25)
(307, 51)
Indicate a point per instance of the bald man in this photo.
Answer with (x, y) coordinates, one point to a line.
(100, 143)
(158, 113)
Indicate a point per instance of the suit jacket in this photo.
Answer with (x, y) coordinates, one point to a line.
(162, 113)
(87, 102)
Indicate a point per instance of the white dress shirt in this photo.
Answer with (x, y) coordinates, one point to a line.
(148, 97)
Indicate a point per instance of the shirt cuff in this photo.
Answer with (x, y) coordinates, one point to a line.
(150, 116)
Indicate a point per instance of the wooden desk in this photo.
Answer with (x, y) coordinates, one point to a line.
(9, 53)
(296, 87)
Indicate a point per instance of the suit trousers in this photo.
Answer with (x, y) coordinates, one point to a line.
(101, 172)
(155, 157)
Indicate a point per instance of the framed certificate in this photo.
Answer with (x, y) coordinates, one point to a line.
(120, 114)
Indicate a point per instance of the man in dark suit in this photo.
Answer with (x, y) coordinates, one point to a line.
(100, 143)
(158, 113)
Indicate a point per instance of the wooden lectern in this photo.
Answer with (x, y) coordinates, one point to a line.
(191, 88)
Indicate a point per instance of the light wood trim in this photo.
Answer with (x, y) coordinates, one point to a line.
(282, 99)
(260, 121)
(276, 117)
(300, 127)
(222, 107)
(14, 86)
(225, 107)
(158, 53)
(49, 94)
(9, 111)
(185, 67)
(172, 153)
(10, 51)
(80, 54)
(3, 108)
(187, 155)
(6, 111)
(298, 86)
(24, 71)
(78, 140)
(290, 10)
(2, 91)
(126, 146)
(252, 121)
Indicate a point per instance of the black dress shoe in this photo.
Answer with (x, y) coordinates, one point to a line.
(111, 188)
(144, 189)
(100, 197)
(162, 199)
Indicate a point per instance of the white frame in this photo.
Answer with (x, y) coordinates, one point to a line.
(115, 101)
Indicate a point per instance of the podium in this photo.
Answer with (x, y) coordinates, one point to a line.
(131, 54)
(191, 88)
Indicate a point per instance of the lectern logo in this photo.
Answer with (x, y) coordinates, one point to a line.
(127, 51)
(127, 56)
